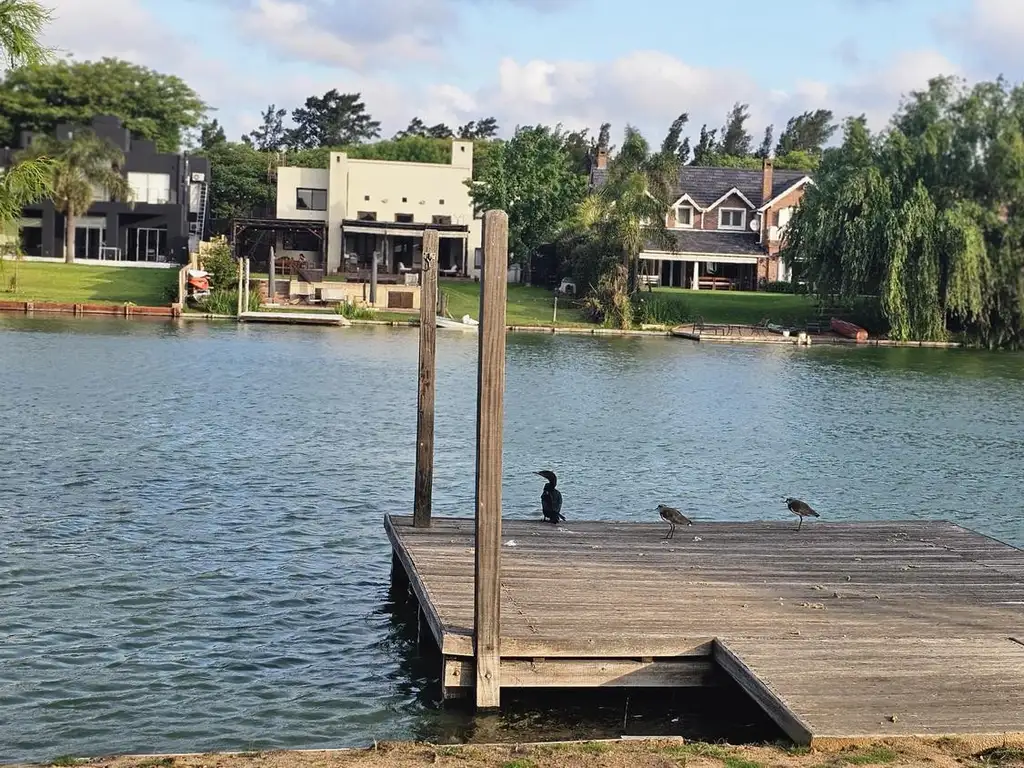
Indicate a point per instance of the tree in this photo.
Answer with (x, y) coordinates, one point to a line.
(707, 147)
(765, 150)
(809, 132)
(416, 127)
(532, 178)
(240, 181)
(484, 129)
(615, 223)
(673, 139)
(735, 139)
(271, 136)
(21, 22)
(211, 133)
(81, 166)
(39, 96)
(604, 137)
(440, 131)
(926, 216)
(332, 120)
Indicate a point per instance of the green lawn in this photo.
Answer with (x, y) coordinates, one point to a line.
(87, 284)
(526, 305)
(741, 307)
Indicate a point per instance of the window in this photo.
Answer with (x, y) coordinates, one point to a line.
(443, 220)
(152, 188)
(307, 199)
(405, 199)
(478, 258)
(441, 201)
(684, 216)
(366, 216)
(366, 198)
(403, 218)
(731, 218)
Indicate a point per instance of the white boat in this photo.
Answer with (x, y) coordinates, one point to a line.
(467, 323)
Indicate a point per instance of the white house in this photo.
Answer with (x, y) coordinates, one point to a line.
(382, 206)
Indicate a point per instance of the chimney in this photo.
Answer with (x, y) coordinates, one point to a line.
(602, 158)
(767, 171)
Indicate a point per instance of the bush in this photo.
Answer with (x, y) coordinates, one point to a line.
(226, 302)
(661, 309)
(352, 312)
(223, 269)
(782, 286)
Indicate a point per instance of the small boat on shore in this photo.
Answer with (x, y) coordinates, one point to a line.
(681, 332)
(466, 324)
(847, 329)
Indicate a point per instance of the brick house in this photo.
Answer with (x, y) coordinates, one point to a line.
(728, 225)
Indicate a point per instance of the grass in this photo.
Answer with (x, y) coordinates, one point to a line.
(1002, 756)
(868, 756)
(739, 762)
(87, 284)
(742, 307)
(527, 305)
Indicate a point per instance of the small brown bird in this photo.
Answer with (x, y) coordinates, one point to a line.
(801, 509)
(673, 517)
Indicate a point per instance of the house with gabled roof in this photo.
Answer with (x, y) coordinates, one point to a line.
(728, 225)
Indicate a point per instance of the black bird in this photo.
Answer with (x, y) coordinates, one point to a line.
(673, 517)
(801, 509)
(551, 498)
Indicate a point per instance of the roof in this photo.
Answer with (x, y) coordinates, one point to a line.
(712, 242)
(707, 185)
(413, 227)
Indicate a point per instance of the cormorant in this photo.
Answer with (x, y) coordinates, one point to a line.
(551, 498)
(673, 517)
(801, 509)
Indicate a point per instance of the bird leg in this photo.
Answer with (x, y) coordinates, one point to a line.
(801, 523)
(671, 530)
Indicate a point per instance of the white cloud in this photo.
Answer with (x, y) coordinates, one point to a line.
(646, 88)
(990, 33)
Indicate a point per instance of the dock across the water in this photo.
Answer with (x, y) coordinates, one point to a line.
(842, 633)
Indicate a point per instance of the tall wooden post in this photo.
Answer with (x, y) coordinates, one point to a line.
(489, 423)
(373, 278)
(271, 287)
(425, 398)
(241, 283)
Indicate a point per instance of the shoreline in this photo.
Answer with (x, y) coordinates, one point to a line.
(623, 752)
(172, 311)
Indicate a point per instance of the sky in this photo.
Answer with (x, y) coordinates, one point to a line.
(575, 62)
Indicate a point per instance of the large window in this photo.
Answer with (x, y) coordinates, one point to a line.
(442, 220)
(308, 199)
(404, 218)
(731, 218)
(147, 244)
(32, 240)
(150, 187)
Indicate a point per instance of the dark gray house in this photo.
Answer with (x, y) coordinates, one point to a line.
(164, 222)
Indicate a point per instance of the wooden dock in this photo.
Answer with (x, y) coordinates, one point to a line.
(295, 318)
(843, 633)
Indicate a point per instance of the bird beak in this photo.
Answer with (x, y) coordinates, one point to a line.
(538, 473)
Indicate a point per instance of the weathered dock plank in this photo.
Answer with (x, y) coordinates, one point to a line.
(840, 631)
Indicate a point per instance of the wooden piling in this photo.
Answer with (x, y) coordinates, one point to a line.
(241, 286)
(425, 398)
(489, 424)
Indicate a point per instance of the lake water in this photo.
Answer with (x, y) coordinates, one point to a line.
(192, 554)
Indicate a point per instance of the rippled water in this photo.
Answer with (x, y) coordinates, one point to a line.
(191, 548)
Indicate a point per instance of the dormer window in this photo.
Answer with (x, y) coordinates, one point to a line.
(731, 218)
(684, 216)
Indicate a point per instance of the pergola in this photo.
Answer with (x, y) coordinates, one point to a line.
(241, 227)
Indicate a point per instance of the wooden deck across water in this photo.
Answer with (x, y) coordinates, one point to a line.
(843, 632)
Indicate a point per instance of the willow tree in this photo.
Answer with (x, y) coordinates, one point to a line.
(925, 215)
(83, 167)
(21, 22)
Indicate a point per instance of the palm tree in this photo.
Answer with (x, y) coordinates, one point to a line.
(21, 21)
(614, 224)
(82, 167)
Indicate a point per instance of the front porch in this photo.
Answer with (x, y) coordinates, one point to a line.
(700, 271)
(125, 239)
(397, 249)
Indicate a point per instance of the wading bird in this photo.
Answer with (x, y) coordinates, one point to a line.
(551, 498)
(673, 517)
(801, 509)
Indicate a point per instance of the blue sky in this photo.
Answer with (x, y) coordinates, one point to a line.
(567, 61)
